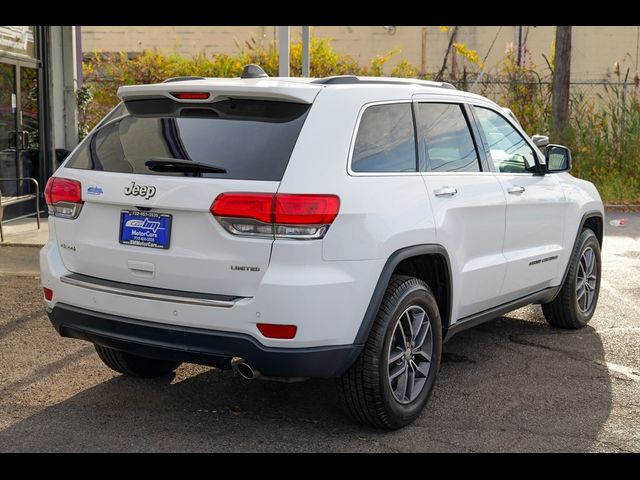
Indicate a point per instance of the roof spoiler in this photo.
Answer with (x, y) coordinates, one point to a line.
(219, 90)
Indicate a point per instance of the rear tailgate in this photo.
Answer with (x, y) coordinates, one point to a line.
(200, 255)
(250, 141)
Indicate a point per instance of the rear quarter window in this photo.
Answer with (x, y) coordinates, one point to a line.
(250, 139)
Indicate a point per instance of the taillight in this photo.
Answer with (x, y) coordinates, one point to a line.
(306, 209)
(192, 95)
(258, 206)
(63, 197)
(299, 216)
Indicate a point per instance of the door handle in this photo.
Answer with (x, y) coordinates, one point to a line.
(24, 137)
(18, 139)
(445, 192)
(515, 190)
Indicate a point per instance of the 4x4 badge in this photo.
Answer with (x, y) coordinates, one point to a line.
(140, 190)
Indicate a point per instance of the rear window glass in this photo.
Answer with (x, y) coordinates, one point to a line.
(250, 139)
(446, 140)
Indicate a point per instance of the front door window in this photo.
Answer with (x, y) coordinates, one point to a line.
(508, 151)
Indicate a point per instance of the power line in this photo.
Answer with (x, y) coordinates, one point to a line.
(484, 60)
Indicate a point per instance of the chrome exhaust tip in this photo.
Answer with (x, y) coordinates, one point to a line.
(243, 369)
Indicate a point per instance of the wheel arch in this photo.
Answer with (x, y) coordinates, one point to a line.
(429, 262)
(594, 220)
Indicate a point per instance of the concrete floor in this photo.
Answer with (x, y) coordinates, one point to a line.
(25, 232)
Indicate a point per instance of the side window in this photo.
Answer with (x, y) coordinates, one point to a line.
(385, 141)
(508, 150)
(445, 138)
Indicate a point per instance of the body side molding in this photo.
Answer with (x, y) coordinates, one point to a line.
(476, 319)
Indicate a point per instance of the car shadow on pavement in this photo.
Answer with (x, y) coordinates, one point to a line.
(512, 384)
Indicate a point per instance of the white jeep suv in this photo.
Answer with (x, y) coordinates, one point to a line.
(341, 227)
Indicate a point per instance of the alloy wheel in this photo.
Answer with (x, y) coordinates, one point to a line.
(586, 280)
(409, 355)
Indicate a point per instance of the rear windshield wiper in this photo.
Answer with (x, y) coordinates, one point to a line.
(178, 165)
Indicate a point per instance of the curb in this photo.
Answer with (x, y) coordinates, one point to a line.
(23, 274)
(632, 207)
(10, 244)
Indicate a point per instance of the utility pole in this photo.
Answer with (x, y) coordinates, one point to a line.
(283, 51)
(519, 46)
(454, 63)
(443, 68)
(423, 52)
(561, 82)
(306, 62)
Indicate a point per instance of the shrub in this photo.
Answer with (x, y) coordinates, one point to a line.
(604, 135)
(405, 70)
(104, 73)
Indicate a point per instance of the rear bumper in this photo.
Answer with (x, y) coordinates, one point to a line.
(326, 300)
(198, 345)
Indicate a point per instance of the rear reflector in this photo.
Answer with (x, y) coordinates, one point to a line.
(270, 330)
(63, 197)
(192, 95)
(48, 294)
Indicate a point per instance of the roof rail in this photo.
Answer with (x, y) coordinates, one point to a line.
(338, 79)
(182, 79)
(353, 80)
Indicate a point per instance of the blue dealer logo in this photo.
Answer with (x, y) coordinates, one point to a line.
(94, 191)
(145, 224)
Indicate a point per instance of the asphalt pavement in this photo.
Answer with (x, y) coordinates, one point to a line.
(512, 384)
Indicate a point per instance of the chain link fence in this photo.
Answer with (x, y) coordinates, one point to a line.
(598, 93)
(616, 98)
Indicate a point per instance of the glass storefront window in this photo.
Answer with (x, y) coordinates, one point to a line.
(17, 40)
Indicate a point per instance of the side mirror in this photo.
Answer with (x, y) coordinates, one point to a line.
(558, 158)
(540, 141)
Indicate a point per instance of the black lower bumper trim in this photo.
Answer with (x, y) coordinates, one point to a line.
(198, 345)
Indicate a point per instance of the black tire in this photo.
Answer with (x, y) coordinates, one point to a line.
(134, 365)
(365, 389)
(564, 311)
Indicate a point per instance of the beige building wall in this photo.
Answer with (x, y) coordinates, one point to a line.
(595, 49)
